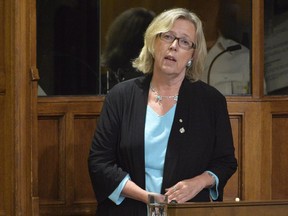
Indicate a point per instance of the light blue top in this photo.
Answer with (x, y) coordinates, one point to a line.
(157, 131)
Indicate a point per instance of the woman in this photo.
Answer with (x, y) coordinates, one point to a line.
(167, 132)
(124, 41)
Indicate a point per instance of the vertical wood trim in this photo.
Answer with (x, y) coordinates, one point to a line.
(7, 113)
(34, 113)
(23, 110)
(266, 148)
(257, 48)
(69, 149)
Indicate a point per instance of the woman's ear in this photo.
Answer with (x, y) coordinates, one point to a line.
(189, 63)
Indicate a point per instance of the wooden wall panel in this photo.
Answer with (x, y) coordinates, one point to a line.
(65, 134)
(254, 208)
(279, 156)
(2, 156)
(6, 144)
(67, 126)
(16, 109)
(259, 134)
(51, 153)
(2, 39)
(233, 188)
(84, 127)
(255, 174)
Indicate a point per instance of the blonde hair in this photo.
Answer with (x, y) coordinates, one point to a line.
(163, 23)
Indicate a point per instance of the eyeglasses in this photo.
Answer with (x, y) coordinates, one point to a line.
(182, 42)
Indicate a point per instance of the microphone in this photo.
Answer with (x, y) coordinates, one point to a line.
(228, 49)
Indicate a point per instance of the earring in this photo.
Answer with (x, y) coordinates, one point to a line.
(189, 63)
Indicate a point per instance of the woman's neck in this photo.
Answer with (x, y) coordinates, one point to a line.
(166, 86)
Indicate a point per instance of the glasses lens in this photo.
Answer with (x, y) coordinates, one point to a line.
(182, 42)
(168, 37)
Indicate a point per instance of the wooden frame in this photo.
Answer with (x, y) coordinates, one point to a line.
(259, 127)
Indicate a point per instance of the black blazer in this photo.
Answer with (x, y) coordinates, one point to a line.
(118, 144)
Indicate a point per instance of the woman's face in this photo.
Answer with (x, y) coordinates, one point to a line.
(170, 58)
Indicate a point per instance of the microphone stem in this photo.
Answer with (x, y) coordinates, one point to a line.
(210, 67)
(230, 49)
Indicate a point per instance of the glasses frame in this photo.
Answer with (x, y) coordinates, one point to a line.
(193, 46)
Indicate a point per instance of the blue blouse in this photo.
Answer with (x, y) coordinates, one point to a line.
(157, 131)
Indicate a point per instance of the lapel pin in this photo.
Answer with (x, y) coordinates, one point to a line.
(182, 130)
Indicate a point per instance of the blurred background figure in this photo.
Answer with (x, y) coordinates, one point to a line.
(227, 66)
(124, 40)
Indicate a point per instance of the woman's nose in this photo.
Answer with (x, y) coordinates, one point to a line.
(174, 44)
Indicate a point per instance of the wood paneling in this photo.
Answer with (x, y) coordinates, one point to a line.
(259, 134)
(17, 108)
(51, 153)
(279, 155)
(2, 155)
(2, 37)
(233, 188)
(253, 208)
(252, 149)
(257, 76)
(66, 127)
(84, 126)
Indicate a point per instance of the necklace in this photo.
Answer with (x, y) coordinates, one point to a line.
(159, 98)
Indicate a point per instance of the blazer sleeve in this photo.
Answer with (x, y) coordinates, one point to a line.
(223, 162)
(104, 172)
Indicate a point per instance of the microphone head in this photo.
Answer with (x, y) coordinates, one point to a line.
(234, 48)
